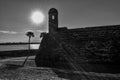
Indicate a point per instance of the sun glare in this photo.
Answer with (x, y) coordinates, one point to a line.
(37, 17)
(34, 46)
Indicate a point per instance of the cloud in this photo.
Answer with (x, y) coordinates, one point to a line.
(30, 31)
(34, 31)
(8, 32)
(39, 31)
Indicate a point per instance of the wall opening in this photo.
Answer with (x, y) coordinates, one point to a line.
(53, 17)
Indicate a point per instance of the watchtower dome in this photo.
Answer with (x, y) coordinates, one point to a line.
(53, 20)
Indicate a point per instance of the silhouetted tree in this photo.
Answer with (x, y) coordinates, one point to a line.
(30, 35)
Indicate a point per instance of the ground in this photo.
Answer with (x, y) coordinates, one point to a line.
(11, 69)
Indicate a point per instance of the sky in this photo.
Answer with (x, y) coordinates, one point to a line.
(15, 16)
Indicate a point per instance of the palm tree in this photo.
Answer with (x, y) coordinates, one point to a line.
(30, 35)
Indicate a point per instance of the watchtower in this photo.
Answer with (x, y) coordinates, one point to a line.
(53, 20)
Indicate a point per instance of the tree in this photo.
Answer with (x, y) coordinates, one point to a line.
(30, 35)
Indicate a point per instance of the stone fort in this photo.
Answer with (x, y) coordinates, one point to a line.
(89, 44)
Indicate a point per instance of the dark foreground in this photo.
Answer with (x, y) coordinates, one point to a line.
(11, 69)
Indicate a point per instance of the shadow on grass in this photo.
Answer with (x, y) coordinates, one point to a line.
(88, 68)
(67, 74)
(17, 53)
(12, 66)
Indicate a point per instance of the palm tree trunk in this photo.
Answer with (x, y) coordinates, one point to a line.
(27, 53)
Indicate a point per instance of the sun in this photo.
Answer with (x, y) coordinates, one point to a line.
(37, 17)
